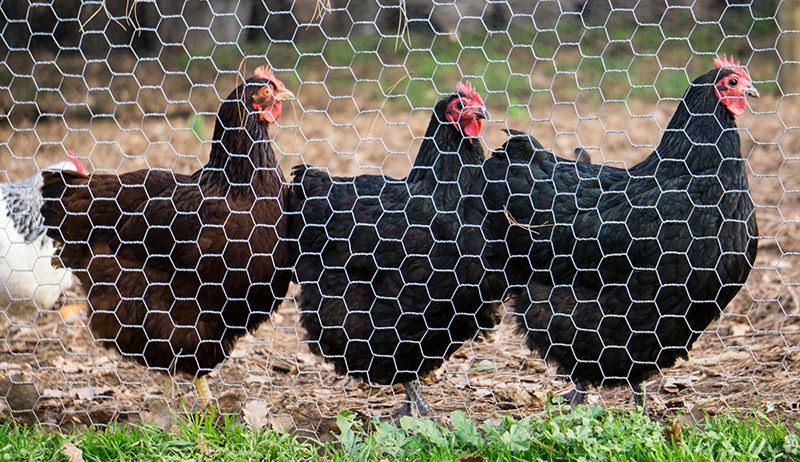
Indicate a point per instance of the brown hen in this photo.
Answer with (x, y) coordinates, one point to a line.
(178, 267)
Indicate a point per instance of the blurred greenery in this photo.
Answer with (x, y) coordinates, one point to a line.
(570, 58)
(196, 124)
(606, 63)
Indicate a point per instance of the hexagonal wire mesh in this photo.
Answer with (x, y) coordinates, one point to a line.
(611, 273)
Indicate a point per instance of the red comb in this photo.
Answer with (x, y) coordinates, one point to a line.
(466, 89)
(726, 61)
(264, 72)
(74, 160)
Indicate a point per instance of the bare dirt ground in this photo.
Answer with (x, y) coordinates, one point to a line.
(749, 359)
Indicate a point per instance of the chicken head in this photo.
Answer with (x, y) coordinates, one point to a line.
(268, 100)
(466, 110)
(733, 85)
(71, 164)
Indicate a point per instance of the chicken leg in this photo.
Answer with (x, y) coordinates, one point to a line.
(71, 312)
(640, 395)
(576, 396)
(203, 391)
(413, 399)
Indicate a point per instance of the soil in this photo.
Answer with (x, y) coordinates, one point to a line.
(749, 359)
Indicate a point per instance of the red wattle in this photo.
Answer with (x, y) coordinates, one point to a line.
(736, 105)
(270, 115)
(277, 108)
(471, 127)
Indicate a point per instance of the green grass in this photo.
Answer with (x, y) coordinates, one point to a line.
(589, 433)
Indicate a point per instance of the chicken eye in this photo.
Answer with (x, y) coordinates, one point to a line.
(733, 82)
(460, 105)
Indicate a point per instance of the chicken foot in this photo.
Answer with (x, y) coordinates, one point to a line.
(576, 396)
(71, 312)
(413, 399)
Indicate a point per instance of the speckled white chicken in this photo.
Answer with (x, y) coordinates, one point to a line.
(28, 280)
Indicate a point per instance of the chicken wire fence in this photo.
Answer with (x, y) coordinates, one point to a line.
(457, 274)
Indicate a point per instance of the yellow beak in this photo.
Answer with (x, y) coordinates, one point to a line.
(284, 95)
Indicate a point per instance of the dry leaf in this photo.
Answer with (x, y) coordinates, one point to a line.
(256, 414)
(432, 377)
(89, 393)
(72, 452)
(282, 423)
(542, 397)
(470, 459)
(741, 329)
(100, 360)
(68, 366)
(160, 414)
(203, 447)
(694, 416)
(52, 393)
(283, 366)
(230, 402)
(517, 395)
(676, 384)
(20, 396)
(673, 433)
(731, 355)
(736, 355)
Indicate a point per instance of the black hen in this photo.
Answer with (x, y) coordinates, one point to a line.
(624, 269)
(390, 269)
